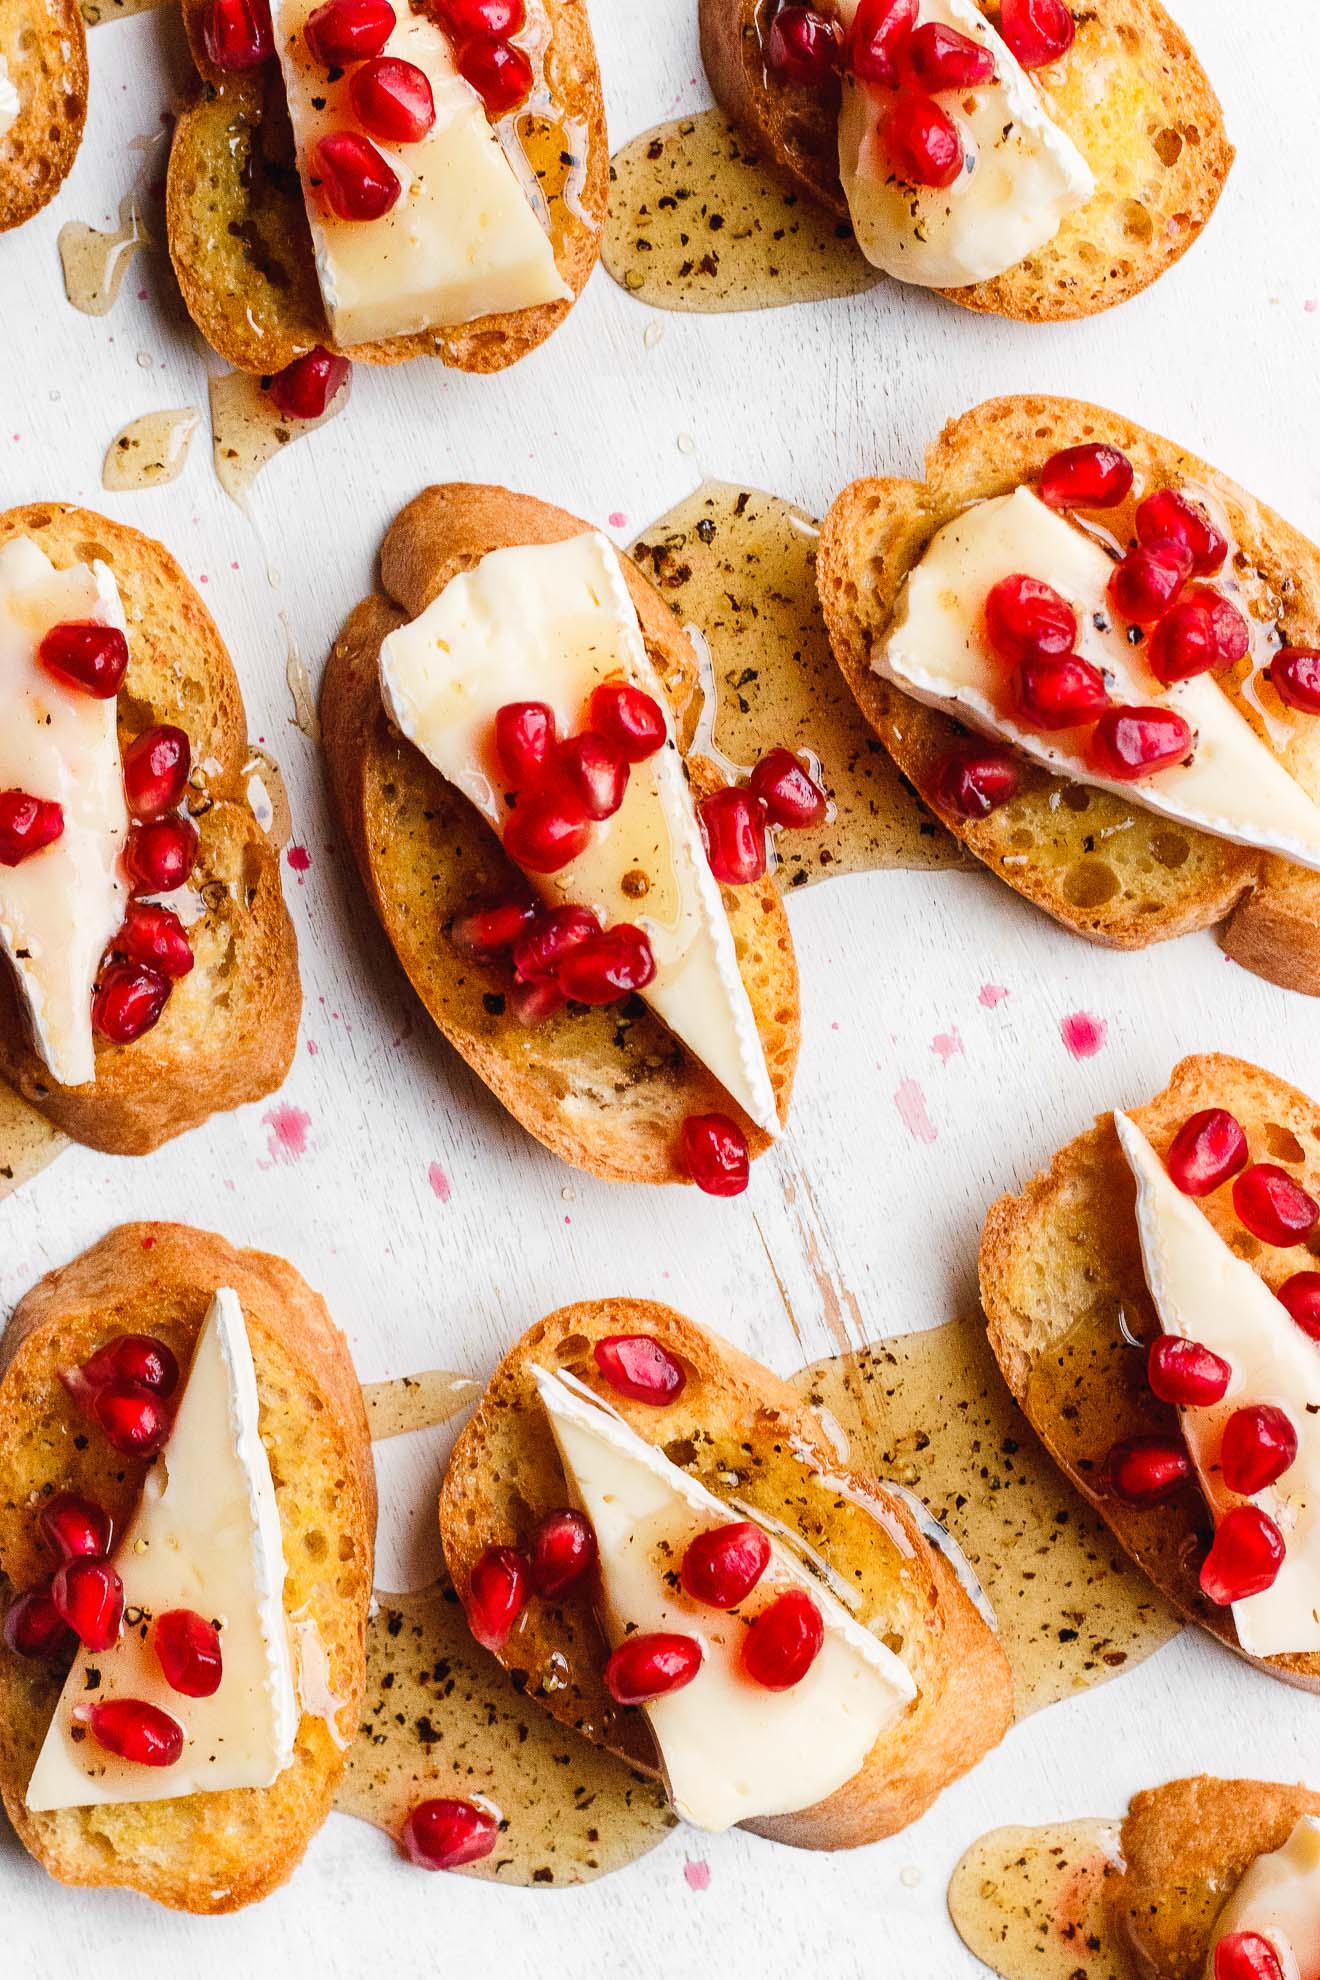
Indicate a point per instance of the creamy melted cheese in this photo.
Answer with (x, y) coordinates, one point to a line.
(1279, 1897)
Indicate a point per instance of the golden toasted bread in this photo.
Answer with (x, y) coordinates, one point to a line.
(237, 224)
(606, 1095)
(203, 1852)
(748, 1436)
(230, 1027)
(43, 54)
(1106, 869)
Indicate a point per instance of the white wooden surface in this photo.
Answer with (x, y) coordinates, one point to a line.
(436, 1228)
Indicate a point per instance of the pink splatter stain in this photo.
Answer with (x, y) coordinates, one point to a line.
(911, 1104)
(991, 995)
(288, 1133)
(947, 1045)
(1083, 1034)
(439, 1182)
(618, 520)
(696, 1875)
(300, 861)
(1311, 305)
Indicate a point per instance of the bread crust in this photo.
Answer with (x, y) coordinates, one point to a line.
(216, 1852)
(607, 1097)
(44, 44)
(504, 1473)
(229, 1031)
(875, 533)
(1154, 136)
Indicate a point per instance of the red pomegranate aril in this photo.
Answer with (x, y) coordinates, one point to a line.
(1026, 619)
(561, 1552)
(646, 1667)
(784, 1641)
(138, 1358)
(187, 1649)
(1301, 1296)
(1295, 677)
(732, 824)
(75, 1528)
(305, 388)
(974, 779)
(525, 742)
(155, 935)
(879, 35)
(1131, 743)
(723, 1565)
(84, 654)
(1141, 1471)
(1037, 31)
(803, 46)
(1093, 476)
(1273, 1205)
(135, 1420)
(547, 830)
(160, 853)
(237, 34)
(489, 928)
(1259, 1445)
(445, 1834)
(1203, 633)
(1186, 1373)
(607, 966)
(1207, 1150)
(129, 1000)
(393, 100)
(790, 794)
(34, 1627)
(90, 1597)
(921, 141)
(156, 766)
(134, 1731)
(1060, 694)
(630, 718)
(27, 826)
(1246, 1956)
(595, 772)
(715, 1154)
(500, 73)
(496, 19)
(345, 31)
(535, 1003)
(939, 57)
(497, 1595)
(1168, 517)
(636, 1366)
(354, 181)
(1245, 1558)
(547, 939)
(1145, 583)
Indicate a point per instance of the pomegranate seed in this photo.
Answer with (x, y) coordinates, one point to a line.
(156, 766)
(1130, 743)
(548, 938)
(1185, 1373)
(803, 46)
(489, 928)
(129, 1000)
(940, 57)
(355, 182)
(1202, 633)
(1259, 1445)
(393, 100)
(187, 1649)
(1144, 1470)
(160, 853)
(646, 1667)
(75, 1528)
(525, 742)
(974, 779)
(1301, 1296)
(547, 831)
(791, 796)
(535, 1003)
(921, 142)
(1295, 675)
(722, 1566)
(1037, 31)
(595, 772)
(134, 1731)
(90, 1597)
(27, 825)
(607, 966)
(636, 1366)
(134, 1420)
(156, 936)
(345, 31)
(1060, 694)
(1273, 1206)
(1208, 1148)
(500, 73)
(784, 1641)
(35, 1628)
(237, 34)
(497, 1593)
(1245, 1559)
(628, 717)
(732, 826)
(86, 655)
(442, 1835)
(1026, 619)
(715, 1154)
(880, 32)
(562, 1551)
(305, 388)
(496, 19)
(1144, 585)
(138, 1358)
(1168, 517)
(1247, 1956)
(1093, 476)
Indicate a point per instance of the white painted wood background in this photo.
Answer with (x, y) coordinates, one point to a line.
(1224, 354)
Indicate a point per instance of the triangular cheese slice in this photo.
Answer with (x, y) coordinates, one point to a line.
(1279, 1897)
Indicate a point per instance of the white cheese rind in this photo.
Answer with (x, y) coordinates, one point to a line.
(731, 1750)
(1279, 1897)
(206, 1536)
(549, 622)
(936, 650)
(1204, 1292)
(1022, 175)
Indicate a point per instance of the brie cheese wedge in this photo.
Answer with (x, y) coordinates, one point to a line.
(206, 1536)
(59, 908)
(731, 1750)
(549, 622)
(1204, 1292)
(936, 650)
(1279, 1897)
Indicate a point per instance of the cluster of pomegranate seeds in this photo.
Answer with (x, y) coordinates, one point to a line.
(125, 1390)
(1247, 1956)
(445, 1834)
(237, 34)
(134, 1730)
(27, 825)
(973, 779)
(561, 1552)
(780, 791)
(1244, 1559)
(1142, 1471)
(723, 1565)
(784, 1641)
(1032, 627)
(1273, 1206)
(305, 388)
(84, 654)
(562, 786)
(151, 951)
(391, 100)
(715, 1154)
(637, 1366)
(646, 1667)
(482, 33)
(187, 1649)
(1169, 517)
(497, 1595)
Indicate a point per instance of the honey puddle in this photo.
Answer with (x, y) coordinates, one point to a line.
(247, 430)
(697, 223)
(27, 1141)
(95, 263)
(416, 1402)
(739, 568)
(1030, 1902)
(269, 801)
(150, 450)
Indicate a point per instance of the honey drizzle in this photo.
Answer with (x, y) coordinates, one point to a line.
(150, 451)
(268, 800)
(1030, 1903)
(248, 430)
(28, 1142)
(417, 1402)
(95, 262)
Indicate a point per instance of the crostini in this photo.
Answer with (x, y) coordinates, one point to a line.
(586, 914)
(1151, 1304)
(151, 973)
(43, 102)
(1096, 658)
(382, 184)
(187, 1517)
(657, 1534)
(1029, 158)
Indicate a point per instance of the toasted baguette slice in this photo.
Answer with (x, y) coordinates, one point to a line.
(43, 44)
(1130, 94)
(1151, 877)
(746, 1434)
(229, 1030)
(204, 1852)
(237, 223)
(606, 1095)
(1062, 1285)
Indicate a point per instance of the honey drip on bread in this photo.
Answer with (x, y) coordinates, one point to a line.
(1030, 1902)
